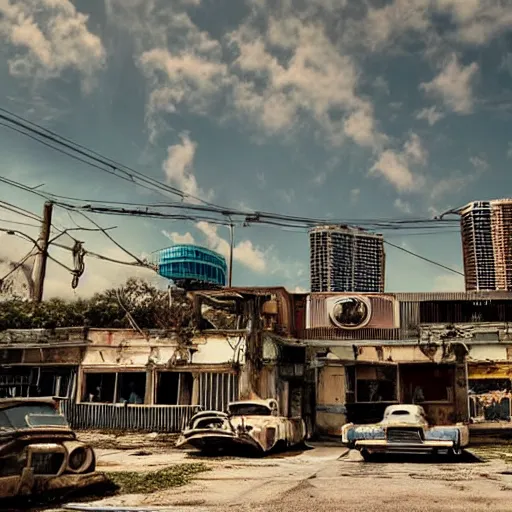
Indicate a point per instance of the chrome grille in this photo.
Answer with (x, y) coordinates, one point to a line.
(47, 463)
(404, 435)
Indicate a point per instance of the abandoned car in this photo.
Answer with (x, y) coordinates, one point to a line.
(404, 429)
(39, 452)
(253, 425)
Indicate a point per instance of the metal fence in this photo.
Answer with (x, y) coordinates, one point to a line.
(142, 418)
(216, 390)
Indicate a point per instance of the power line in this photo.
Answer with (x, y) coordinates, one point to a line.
(17, 266)
(423, 258)
(19, 223)
(19, 211)
(131, 175)
(111, 165)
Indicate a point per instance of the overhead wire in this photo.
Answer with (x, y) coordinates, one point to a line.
(129, 174)
(423, 258)
(17, 266)
(105, 164)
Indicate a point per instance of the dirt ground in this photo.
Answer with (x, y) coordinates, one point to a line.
(325, 478)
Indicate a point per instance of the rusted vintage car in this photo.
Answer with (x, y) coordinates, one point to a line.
(248, 426)
(39, 452)
(404, 429)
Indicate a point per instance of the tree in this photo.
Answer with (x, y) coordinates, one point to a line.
(137, 304)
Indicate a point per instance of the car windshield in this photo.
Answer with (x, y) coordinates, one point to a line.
(31, 416)
(249, 410)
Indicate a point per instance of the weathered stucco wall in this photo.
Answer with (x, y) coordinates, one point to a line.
(330, 400)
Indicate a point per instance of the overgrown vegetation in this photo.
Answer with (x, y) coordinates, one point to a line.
(131, 482)
(137, 304)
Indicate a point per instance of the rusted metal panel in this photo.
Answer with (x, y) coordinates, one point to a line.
(145, 418)
(328, 333)
(470, 296)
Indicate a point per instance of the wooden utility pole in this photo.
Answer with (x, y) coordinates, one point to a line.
(42, 257)
(231, 242)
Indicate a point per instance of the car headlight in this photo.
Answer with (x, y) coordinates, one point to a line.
(77, 458)
(80, 457)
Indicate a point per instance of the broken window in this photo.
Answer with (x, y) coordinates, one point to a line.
(427, 383)
(36, 382)
(376, 383)
(222, 312)
(174, 388)
(489, 399)
(131, 387)
(99, 387)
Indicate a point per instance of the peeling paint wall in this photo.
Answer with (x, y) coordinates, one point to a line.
(330, 399)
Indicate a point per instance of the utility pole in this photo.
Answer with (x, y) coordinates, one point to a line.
(42, 257)
(231, 241)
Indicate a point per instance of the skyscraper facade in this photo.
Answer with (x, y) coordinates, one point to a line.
(486, 231)
(344, 259)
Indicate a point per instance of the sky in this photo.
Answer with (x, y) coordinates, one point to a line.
(356, 109)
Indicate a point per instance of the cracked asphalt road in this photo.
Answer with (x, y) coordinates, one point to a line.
(322, 479)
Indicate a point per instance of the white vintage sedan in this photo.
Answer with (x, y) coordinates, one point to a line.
(404, 429)
(252, 425)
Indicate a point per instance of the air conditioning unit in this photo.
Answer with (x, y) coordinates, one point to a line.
(353, 311)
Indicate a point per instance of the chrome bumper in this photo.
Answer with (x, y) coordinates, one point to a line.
(383, 446)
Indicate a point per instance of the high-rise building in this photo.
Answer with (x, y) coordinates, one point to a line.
(486, 230)
(344, 259)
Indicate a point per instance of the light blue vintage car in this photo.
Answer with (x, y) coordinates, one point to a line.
(404, 429)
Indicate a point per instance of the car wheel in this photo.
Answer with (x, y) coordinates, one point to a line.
(367, 456)
(455, 452)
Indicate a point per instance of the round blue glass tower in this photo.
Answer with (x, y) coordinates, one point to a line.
(193, 264)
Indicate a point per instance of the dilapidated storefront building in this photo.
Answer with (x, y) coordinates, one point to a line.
(449, 352)
(239, 346)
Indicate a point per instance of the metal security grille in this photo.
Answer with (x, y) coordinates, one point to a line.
(216, 390)
(399, 435)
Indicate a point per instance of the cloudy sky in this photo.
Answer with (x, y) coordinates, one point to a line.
(323, 108)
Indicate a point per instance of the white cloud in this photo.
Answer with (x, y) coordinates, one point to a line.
(431, 115)
(49, 37)
(403, 206)
(178, 238)
(98, 275)
(454, 85)
(414, 150)
(477, 21)
(360, 126)
(317, 78)
(479, 164)
(395, 166)
(452, 184)
(179, 168)
(392, 21)
(244, 252)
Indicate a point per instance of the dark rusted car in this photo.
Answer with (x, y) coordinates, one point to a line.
(39, 453)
